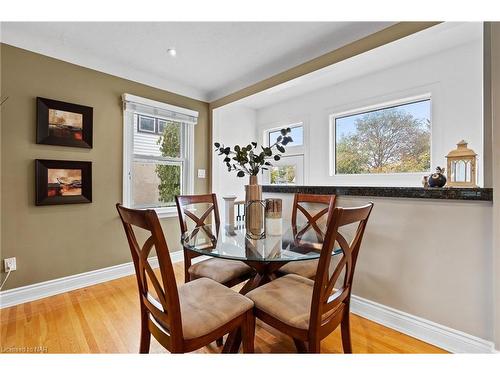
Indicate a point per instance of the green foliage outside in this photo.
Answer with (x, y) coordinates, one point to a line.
(169, 175)
(385, 141)
(283, 174)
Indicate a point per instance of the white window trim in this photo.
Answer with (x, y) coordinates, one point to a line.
(143, 130)
(128, 149)
(301, 150)
(371, 107)
(159, 105)
(291, 150)
(157, 125)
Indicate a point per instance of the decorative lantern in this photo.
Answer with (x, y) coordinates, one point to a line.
(462, 166)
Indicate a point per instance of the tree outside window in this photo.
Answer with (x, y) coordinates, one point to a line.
(283, 174)
(389, 140)
(170, 173)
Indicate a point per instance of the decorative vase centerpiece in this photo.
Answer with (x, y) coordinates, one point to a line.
(248, 160)
(254, 209)
(437, 179)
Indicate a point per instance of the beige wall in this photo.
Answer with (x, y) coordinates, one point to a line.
(429, 258)
(56, 241)
(495, 105)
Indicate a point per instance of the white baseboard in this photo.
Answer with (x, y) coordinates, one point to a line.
(436, 334)
(49, 288)
(422, 329)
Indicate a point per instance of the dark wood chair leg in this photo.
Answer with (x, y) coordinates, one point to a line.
(314, 346)
(145, 335)
(346, 333)
(187, 264)
(248, 332)
(219, 341)
(233, 341)
(300, 345)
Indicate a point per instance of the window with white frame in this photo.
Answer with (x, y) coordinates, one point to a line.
(289, 170)
(146, 124)
(296, 132)
(384, 139)
(158, 153)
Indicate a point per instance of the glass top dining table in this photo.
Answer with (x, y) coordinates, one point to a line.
(296, 243)
(264, 255)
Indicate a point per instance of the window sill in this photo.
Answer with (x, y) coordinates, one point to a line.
(469, 194)
(164, 212)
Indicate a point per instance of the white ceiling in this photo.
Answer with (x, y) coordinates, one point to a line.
(213, 58)
(430, 41)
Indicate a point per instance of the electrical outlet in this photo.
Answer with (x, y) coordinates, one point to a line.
(9, 264)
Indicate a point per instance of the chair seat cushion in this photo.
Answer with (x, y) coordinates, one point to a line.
(305, 268)
(287, 299)
(207, 305)
(220, 270)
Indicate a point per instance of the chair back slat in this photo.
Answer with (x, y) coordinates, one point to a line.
(183, 201)
(165, 308)
(156, 310)
(129, 217)
(336, 299)
(325, 296)
(311, 219)
(354, 214)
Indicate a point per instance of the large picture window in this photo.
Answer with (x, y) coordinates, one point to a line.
(158, 161)
(388, 139)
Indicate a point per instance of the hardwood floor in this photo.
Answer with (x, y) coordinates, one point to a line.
(104, 318)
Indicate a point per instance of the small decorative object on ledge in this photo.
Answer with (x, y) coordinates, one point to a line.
(462, 166)
(273, 217)
(425, 181)
(437, 179)
(247, 160)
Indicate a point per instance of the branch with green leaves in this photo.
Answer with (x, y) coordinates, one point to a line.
(246, 160)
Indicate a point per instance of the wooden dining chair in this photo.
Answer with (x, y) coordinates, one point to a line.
(224, 271)
(307, 268)
(308, 310)
(183, 318)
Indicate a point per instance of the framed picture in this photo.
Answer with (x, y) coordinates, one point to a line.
(62, 182)
(63, 124)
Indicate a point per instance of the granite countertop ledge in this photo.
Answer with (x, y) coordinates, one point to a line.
(467, 194)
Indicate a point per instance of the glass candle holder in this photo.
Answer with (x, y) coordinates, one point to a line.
(273, 215)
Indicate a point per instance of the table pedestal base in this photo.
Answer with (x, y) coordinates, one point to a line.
(265, 272)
